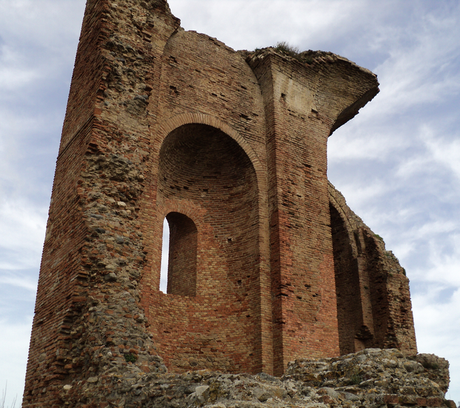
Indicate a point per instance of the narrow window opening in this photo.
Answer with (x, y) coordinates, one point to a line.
(164, 257)
(179, 254)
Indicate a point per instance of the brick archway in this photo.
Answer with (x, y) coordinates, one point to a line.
(207, 187)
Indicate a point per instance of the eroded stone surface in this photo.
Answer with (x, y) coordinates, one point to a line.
(370, 378)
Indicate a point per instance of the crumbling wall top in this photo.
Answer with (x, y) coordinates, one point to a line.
(333, 74)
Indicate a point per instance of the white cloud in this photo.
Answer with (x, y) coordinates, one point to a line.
(444, 259)
(38, 21)
(20, 281)
(444, 151)
(22, 227)
(307, 24)
(361, 143)
(358, 195)
(437, 328)
(36, 38)
(420, 68)
(13, 73)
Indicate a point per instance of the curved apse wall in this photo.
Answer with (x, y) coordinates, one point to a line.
(207, 181)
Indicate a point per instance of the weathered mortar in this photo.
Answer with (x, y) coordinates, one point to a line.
(268, 263)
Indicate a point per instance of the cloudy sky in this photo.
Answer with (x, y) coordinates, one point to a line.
(397, 162)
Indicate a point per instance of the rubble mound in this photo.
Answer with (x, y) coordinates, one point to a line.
(370, 378)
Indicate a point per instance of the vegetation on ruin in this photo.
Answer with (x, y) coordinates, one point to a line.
(130, 358)
(282, 47)
(286, 49)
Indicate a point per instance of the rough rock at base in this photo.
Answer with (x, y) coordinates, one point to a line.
(370, 378)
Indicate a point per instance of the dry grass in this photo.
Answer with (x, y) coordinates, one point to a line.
(286, 49)
(3, 398)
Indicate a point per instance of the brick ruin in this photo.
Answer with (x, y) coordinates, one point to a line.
(267, 262)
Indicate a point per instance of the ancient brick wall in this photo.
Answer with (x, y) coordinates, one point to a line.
(299, 121)
(61, 291)
(207, 171)
(372, 288)
(267, 263)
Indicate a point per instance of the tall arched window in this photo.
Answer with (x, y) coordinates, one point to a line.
(164, 257)
(181, 261)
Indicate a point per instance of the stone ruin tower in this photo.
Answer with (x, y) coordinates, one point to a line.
(267, 262)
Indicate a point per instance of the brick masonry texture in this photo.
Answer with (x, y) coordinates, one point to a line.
(267, 262)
